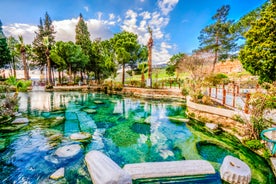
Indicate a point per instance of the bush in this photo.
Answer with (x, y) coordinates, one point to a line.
(254, 144)
(216, 79)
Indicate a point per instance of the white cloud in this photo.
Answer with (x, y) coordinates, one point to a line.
(166, 6)
(145, 15)
(138, 22)
(65, 30)
(99, 14)
(111, 16)
(142, 1)
(86, 8)
(16, 29)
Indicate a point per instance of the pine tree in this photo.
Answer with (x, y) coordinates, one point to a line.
(217, 37)
(83, 40)
(5, 55)
(40, 49)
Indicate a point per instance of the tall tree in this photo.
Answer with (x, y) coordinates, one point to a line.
(126, 49)
(83, 40)
(12, 43)
(5, 55)
(23, 57)
(217, 37)
(45, 29)
(258, 56)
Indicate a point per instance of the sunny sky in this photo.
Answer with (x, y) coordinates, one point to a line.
(176, 24)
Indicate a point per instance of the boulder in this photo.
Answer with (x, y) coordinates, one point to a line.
(212, 126)
(20, 121)
(58, 174)
(68, 151)
(105, 171)
(81, 136)
(235, 171)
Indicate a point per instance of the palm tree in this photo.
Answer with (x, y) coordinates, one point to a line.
(22, 49)
(143, 67)
(47, 53)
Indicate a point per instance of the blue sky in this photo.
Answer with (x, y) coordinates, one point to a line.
(176, 24)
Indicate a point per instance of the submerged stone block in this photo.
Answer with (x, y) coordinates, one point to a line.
(169, 169)
(21, 121)
(68, 151)
(103, 170)
(235, 171)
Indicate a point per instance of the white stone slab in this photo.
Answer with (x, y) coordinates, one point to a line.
(58, 174)
(105, 171)
(169, 169)
(233, 170)
(80, 136)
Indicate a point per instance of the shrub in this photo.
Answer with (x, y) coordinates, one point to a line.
(216, 79)
(254, 144)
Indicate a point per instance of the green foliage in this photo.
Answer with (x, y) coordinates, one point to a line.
(215, 79)
(5, 55)
(217, 37)
(83, 36)
(172, 64)
(45, 29)
(258, 54)
(254, 144)
(127, 49)
(19, 85)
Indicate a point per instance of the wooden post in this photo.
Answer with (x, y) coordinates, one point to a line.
(210, 91)
(246, 106)
(238, 90)
(216, 92)
(224, 96)
(234, 95)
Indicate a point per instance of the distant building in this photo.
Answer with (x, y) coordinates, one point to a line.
(229, 67)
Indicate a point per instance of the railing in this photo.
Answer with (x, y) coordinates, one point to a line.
(231, 96)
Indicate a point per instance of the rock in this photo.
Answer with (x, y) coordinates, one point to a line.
(20, 121)
(55, 137)
(58, 174)
(52, 159)
(212, 126)
(235, 171)
(17, 114)
(81, 136)
(98, 102)
(105, 171)
(90, 111)
(68, 150)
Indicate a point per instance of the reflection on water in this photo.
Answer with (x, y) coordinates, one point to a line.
(127, 130)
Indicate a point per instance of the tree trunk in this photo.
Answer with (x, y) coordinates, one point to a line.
(50, 82)
(123, 74)
(142, 79)
(59, 77)
(23, 56)
(70, 73)
(216, 55)
(13, 65)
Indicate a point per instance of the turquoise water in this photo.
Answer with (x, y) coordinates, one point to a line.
(128, 130)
